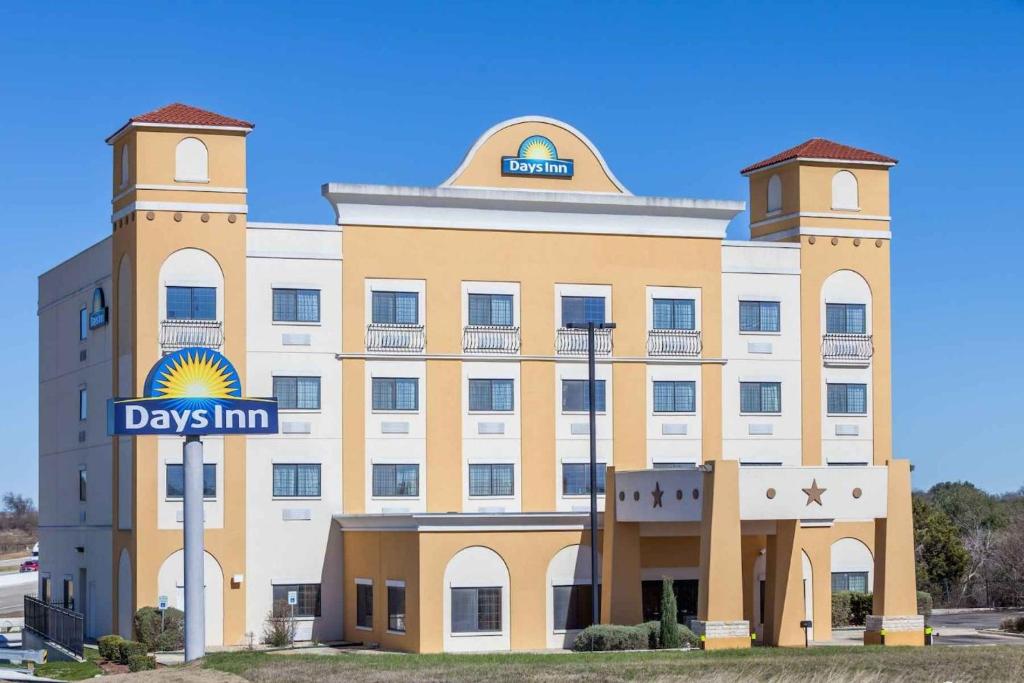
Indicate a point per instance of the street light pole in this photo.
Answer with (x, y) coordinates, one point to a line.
(592, 408)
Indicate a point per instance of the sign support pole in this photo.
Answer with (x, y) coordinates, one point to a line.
(195, 608)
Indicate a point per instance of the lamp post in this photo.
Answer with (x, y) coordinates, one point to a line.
(592, 393)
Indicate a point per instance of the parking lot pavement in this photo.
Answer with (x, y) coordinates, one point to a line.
(961, 628)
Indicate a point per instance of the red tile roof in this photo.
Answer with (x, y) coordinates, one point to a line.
(820, 148)
(185, 115)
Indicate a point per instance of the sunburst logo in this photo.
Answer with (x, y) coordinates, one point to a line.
(193, 373)
(538, 157)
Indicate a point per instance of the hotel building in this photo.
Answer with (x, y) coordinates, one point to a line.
(429, 489)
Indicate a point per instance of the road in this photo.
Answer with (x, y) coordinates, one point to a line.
(962, 628)
(12, 588)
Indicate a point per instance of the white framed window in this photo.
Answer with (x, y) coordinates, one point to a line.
(83, 403)
(760, 397)
(844, 191)
(396, 606)
(295, 305)
(297, 393)
(396, 480)
(191, 161)
(364, 604)
(675, 396)
(492, 480)
(83, 323)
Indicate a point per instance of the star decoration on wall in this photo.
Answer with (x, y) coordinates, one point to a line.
(814, 493)
(657, 493)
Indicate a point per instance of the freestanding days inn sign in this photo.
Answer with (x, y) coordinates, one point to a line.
(192, 391)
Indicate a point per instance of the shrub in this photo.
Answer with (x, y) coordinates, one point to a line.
(160, 631)
(129, 649)
(278, 631)
(1013, 624)
(840, 608)
(860, 607)
(924, 603)
(141, 662)
(110, 647)
(607, 637)
(669, 624)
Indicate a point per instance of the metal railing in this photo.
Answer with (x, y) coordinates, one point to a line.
(573, 342)
(673, 343)
(58, 624)
(394, 338)
(490, 339)
(178, 334)
(847, 348)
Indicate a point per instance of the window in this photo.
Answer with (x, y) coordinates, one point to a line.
(296, 305)
(46, 590)
(674, 314)
(69, 593)
(396, 481)
(760, 397)
(296, 481)
(573, 606)
(686, 599)
(82, 490)
(297, 393)
(848, 399)
(774, 194)
(476, 610)
(83, 403)
(308, 595)
(491, 480)
(582, 310)
(675, 397)
(396, 393)
(846, 318)
(850, 581)
(83, 323)
(191, 303)
(759, 316)
(124, 165)
(176, 481)
(396, 607)
(191, 161)
(396, 308)
(576, 478)
(490, 395)
(490, 310)
(844, 191)
(364, 603)
(576, 396)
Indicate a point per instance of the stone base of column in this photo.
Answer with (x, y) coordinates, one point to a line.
(722, 635)
(898, 630)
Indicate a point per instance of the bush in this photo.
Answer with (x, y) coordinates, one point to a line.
(607, 637)
(278, 631)
(110, 647)
(160, 631)
(687, 638)
(840, 609)
(1013, 624)
(924, 603)
(860, 607)
(129, 649)
(141, 662)
(669, 625)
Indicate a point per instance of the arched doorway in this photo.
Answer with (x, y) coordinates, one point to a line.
(171, 582)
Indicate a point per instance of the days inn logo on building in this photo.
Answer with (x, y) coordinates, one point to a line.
(192, 391)
(537, 158)
(99, 314)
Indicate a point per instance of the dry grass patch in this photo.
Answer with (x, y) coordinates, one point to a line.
(832, 664)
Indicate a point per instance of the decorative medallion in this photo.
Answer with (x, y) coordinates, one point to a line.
(696, 494)
(622, 495)
(636, 495)
(770, 493)
(857, 493)
(814, 493)
(679, 494)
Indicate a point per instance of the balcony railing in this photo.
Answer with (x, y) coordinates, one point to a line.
(490, 339)
(673, 343)
(57, 624)
(393, 338)
(178, 334)
(846, 349)
(573, 342)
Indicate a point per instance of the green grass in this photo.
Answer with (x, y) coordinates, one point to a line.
(845, 664)
(72, 671)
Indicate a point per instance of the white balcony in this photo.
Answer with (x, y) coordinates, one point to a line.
(496, 339)
(573, 342)
(179, 334)
(394, 338)
(852, 350)
(674, 343)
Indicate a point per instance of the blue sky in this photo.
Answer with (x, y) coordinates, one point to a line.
(677, 96)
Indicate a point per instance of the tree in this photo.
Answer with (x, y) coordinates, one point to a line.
(942, 560)
(19, 512)
(968, 507)
(669, 622)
